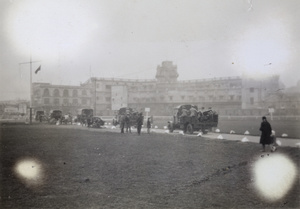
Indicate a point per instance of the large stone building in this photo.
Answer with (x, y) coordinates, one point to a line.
(61, 97)
(228, 96)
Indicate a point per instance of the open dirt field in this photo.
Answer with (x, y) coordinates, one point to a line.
(91, 168)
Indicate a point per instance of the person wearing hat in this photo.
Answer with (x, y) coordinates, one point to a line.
(127, 123)
(148, 125)
(140, 121)
(266, 131)
(122, 123)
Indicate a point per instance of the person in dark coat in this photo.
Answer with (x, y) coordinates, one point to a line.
(140, 121)
(122, 123)
(266, 131)
(127, 123)
(148, 125)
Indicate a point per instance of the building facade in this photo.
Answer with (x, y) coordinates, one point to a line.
(69, 99)
(228, 96)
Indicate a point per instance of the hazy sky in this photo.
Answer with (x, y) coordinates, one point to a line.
(76, 39)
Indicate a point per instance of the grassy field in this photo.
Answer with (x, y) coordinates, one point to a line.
(95, 168)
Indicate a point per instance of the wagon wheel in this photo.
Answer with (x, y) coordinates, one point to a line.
(204, 130)
(190, 128)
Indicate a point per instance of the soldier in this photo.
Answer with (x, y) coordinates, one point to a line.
(127, 123)
(200, 114)
(193, 114)
(183, 117)
(122, 123)
(184, 114)
(140, 121)
(148, 125)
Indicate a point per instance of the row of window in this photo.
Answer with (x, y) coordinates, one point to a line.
(56, 101)
(179, 86)
(65, 93)
(191, 98)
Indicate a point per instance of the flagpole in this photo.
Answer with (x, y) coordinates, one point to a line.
(30, 106)
(30, 90)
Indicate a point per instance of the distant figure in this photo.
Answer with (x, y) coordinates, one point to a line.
(184, 114)
(89, 121)
(273, 141)
(148, 125)
(40, 118)
(266, 131)
(194, 114)
(122, 123)
(127, 123)
(140, 121)
(200, 114)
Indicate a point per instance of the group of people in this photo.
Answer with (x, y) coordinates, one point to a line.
(194, 114)
(126, 121)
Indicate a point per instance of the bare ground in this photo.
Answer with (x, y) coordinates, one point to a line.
(103, 169)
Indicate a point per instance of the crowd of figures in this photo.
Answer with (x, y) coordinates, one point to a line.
(192, 112)
(134, 119)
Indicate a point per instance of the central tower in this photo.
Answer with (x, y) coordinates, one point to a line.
(166, 73)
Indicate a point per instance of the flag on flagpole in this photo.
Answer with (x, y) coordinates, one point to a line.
(37, 70)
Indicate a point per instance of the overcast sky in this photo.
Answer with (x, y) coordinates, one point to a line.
(76, 39)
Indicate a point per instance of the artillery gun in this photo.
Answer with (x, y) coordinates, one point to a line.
(55, 115)
(189, 119)
(97, 122)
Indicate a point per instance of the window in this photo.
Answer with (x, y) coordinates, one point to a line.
(46, 93)
(108, 87)
(46, 101)
(84, 101)
(66, 101)
(56, 93)
(182, 97)
(239, 98)
(107, 99)
(231, 97)
(201, 98)
(65, 93)
(221, 97)
(251, 100)
(75, 93)
(251, 89)
(75, 101)
(37, 92)
(171, 98)
(84, 92)
(56, 101)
